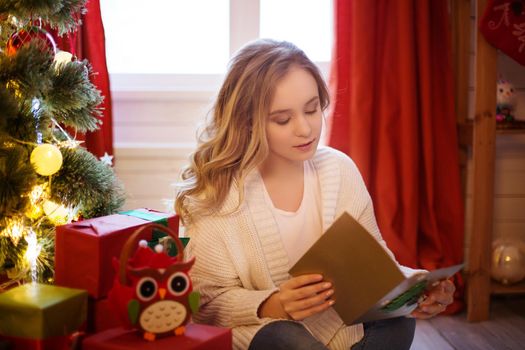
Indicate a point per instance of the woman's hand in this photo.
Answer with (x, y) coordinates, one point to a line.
(437, 298)
(299, 298)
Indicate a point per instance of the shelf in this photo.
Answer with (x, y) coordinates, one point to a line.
(501, 289)
(465, 130)
(515, 127)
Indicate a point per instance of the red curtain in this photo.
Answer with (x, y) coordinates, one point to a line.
(393, 113)
(88, 42)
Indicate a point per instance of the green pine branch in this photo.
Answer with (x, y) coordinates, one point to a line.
(73, 100)
(12, 255)
(8, 108)
(62, 15)
(86, 182)
(17, 178)
(28, 73)
(64, 91)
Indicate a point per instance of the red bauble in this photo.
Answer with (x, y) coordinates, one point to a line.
(29, 34)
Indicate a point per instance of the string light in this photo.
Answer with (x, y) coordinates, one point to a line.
(14, 230)
(36, 196)
(37, 193)
(34, 212)
(14, 86)
(32, 253)
(71, 144)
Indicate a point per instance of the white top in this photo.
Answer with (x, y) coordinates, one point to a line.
(302, 228)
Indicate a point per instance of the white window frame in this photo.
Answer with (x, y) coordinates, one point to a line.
(244, 27)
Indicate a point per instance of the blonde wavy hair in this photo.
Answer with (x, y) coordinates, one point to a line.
(234, 140)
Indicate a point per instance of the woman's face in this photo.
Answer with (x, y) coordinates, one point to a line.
(293, 126)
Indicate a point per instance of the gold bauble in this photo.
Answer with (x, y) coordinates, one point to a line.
(63, 57)
(47, 159)
(57, 213)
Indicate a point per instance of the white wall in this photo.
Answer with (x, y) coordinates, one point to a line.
(154, 134)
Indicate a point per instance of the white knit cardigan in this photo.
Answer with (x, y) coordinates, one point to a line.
(241, 260)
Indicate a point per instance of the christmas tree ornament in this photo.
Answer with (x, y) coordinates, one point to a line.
(47, 159)
(107, 159)
(508, 260)
(31, 34)
(152, 290)
(57, 213)
(63, 57)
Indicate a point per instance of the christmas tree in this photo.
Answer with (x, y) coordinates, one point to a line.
(46, 177)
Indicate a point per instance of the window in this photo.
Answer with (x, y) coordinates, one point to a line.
(161, 36)
(186, 45)
(306, 23)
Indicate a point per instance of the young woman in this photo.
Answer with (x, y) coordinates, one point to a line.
(258, 193)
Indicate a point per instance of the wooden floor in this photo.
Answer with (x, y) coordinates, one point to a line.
(504, 330)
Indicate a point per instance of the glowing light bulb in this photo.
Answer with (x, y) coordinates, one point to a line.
(14, 230)
(34, 212)
(47, 159)
(36, 196)
(37, 193)
(32, 253)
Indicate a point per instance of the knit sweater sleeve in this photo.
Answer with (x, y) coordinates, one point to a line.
(225, 300)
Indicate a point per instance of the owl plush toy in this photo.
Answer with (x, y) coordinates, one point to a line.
(152, 291)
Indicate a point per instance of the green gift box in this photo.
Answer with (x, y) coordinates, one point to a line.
(40, 311)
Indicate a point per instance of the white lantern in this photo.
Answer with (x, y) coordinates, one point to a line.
(508, 260)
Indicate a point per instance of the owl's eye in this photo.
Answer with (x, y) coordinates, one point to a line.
(146, 288)
(178, 283)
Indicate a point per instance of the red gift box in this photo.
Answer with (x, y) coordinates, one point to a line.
(196, 337)
(101, 316)
(84, 250)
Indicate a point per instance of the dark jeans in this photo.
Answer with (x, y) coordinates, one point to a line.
(394, 333)
(391, 334)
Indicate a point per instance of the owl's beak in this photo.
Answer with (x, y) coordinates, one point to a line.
(162, 293)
